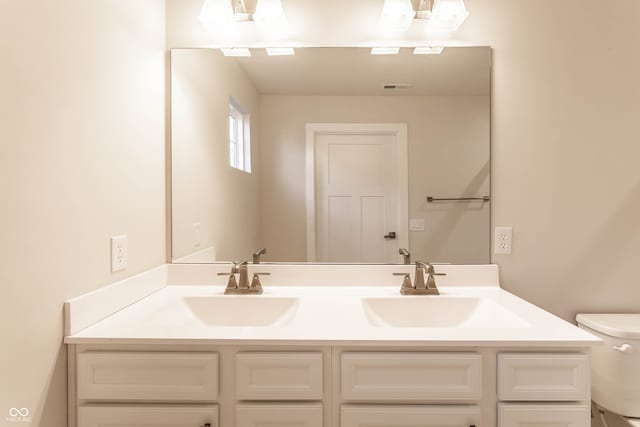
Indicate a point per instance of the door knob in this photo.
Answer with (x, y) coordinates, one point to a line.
(391, 235)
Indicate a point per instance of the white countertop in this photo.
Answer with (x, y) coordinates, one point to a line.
(334, 315)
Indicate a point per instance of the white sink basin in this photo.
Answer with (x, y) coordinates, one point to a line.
(439, 312)
(245, 310)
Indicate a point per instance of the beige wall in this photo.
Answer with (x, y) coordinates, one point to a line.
(81, 159)
(565, 149)
(448, 157)
(206, 189)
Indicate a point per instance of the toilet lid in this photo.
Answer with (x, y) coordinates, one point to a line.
(615, 325)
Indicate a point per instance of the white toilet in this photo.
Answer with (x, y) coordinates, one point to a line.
(615, 368)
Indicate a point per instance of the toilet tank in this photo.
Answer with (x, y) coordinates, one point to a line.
(615, 365)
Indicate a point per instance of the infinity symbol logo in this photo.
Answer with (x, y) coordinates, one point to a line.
(16, 412)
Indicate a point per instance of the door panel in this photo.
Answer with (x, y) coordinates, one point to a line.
(356, 193)
(373, 226)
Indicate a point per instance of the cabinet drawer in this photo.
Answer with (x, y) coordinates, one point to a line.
(409, 416)
(261, 415)
(148, 415)
(412, 377)
(512, 415)
(127, 376)
(279, 376)
(543, 377)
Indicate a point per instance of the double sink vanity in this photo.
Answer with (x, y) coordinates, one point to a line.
(323, 345)
(352, 176)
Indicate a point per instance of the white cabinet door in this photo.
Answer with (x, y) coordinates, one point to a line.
(411, 377)
(147, 415)
(294, 415)
(147, 376)
(409, 416)
(543, 377)
(279, 376)
(511, 415)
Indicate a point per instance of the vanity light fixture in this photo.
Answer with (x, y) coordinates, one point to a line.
(280, 51)
(428, 50)
(236, 51)
(385, 50)
(397, 15)
(448, 14)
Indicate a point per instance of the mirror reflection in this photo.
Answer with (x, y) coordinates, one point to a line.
(331, 155)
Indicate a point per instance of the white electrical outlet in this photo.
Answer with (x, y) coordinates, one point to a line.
(416, 224)
(118, 253)
(196, 234)
(503, 240)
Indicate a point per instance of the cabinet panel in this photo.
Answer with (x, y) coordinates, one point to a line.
(412, 377)
(543, 377)
(147, 415)
(148, 376)
(409, 416)
(279, 376)
(512, 415)
(289, 415)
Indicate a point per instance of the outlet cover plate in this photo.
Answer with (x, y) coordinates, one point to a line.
(118, 253)
(503, 241)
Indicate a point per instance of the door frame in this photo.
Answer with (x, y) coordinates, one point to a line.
(399, 131)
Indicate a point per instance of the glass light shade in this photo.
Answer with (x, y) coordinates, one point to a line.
(216, 12)
(448, 14)
(269, 12)
(396, 15)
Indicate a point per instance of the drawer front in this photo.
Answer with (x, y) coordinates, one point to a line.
(126, 376)
(145, 416)
(291, 415)
(543, 377)
(414, 377)
(279, 376)
(409, 416)
(512, 415)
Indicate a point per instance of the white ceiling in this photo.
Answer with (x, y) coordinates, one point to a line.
(354, 71)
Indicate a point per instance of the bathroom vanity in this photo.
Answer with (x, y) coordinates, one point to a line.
(323, 346)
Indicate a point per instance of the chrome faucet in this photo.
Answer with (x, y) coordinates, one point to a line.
(256, 255)
(420, 286)
(406, 255)
(242, 286)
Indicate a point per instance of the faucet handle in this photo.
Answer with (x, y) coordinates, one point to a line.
(232, 283)
(256, 286)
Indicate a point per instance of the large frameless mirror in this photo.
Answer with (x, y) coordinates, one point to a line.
(331, 155)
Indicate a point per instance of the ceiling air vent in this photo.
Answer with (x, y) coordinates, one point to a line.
(393, 86)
